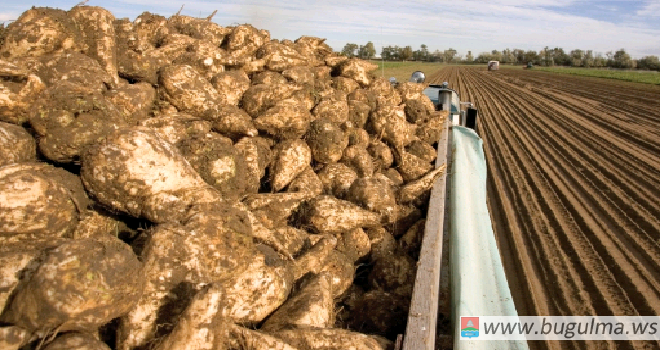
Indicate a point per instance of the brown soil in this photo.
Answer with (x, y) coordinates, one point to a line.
(573, 191)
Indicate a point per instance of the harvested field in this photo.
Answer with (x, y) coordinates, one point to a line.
(574, 190)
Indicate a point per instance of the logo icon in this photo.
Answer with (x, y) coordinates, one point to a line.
(469, 327)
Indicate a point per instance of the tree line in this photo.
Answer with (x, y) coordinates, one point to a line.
(545, 57)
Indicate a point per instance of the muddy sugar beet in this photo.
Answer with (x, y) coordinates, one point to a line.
(170, 183)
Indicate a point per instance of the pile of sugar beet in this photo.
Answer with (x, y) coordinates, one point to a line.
(168, 183)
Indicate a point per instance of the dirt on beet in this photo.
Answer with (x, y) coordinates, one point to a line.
(169, 180)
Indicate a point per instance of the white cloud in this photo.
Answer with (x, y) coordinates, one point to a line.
(650, 9)
(507, 23)
(476, 25)
(607, 8)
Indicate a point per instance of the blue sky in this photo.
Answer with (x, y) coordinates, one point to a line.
(475, 25)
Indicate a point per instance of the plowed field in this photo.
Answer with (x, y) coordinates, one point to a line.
(574, 190)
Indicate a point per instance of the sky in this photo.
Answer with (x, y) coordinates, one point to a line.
(464, 25)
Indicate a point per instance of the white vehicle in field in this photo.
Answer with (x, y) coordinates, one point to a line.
(493, 65)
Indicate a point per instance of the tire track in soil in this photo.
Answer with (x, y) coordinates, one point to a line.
(538, 248)
(503, 218)
(628, 97)
(656, 225)
(510, 183)
(592, 344)
(604, 253)
(643, 176)
(633, 288)
(643, 218)
(575, 210)
(539, 251)
(629, 139)
(522, 155)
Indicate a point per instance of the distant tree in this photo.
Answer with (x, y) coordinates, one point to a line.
(371, 50)
(610, 58)
(385, 53)
(367, 51)
(349, 50)
(599, 60)
(436, 56)
(649, 62)
(484, 57)
(508, 56)
(622, 59)
(520, 55)
(532, 56)
(547, 54)
(406, 53)
(511, 57)
(576, 58)
(392, 53)
(419, 55)
(588, 59)
(560, 58)
(424, 52)
(495, 55)
(504, 58)
(556, 56)
(449, 55)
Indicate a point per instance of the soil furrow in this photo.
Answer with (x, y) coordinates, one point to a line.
(523, 183)
(573, 190)
(587, 222)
